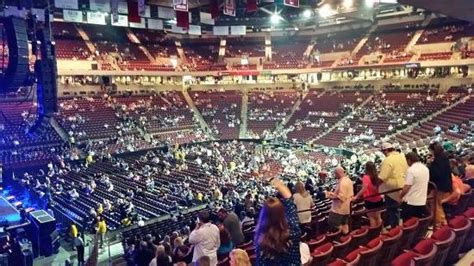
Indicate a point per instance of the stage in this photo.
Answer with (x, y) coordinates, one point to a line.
(9, 213)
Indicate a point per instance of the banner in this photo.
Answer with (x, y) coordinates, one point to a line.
(206, 18)
(155, 24)
(140, 25)
(292, 3)
(194, 30)
(69, 4)
(73, 16)
(133, 15)
(229, 8)
(96, 18)
(40, 14)
(122, 21)
(251, 5)
(100, 5)
(180, 5)
(238, 30)
(165, 12)
(182, 19)
(214, 8)
(221, 30)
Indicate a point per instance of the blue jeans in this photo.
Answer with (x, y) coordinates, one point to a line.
(393, 213)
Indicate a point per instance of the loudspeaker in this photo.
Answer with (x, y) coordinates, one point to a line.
(46, 73)
(17, 72)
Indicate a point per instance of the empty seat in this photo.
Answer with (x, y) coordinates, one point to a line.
(391, 242)
(322, 255)
(443, 238)
(461, 226)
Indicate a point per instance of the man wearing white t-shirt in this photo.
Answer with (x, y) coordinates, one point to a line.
(415, 191)
(205, 238)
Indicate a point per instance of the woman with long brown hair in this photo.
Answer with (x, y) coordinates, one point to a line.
(304, 202)
(277, 237)
(370, 187)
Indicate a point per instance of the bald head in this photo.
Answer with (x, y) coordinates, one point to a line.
(470, 171)
(339, 172)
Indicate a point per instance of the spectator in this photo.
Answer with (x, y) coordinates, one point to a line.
(205, 238)
(415, 191)
(304, 202)
(231, 223)
(101, 230)
(161, 258)
(278, 232)
(239, 257)
(440, 175)
(469, 175)
(370, 193)
(392, 173)
(79, 244)
(226, 243)
(341, 200)
(204, 261)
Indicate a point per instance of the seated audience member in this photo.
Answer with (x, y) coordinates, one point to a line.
(205, 238)
(415, 191)
(278, 233)
(370, 187)
(469, 175)
(341, 200)
(249, 219)
(182, 254)
(204, 261)
(304, 202)
(239, 257)
(161, 258)
(231, 223)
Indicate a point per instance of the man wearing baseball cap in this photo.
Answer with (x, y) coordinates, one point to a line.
(392, 173)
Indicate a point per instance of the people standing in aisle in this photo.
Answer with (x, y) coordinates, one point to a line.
(392, 173)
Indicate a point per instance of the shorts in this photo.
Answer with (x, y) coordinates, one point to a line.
(369, 205)
(336, 219)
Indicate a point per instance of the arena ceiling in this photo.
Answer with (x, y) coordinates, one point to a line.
(461, 9)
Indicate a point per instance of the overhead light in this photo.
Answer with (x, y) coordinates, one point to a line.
(347, 3)
(326, 11)
(307, 13)
(275, 18)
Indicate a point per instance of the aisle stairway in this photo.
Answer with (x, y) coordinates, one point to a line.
(244, 114)
(197, 114)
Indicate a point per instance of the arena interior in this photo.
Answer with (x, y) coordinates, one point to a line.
(237, 132)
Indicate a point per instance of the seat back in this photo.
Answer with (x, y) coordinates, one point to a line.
(313, 243)
(391, 242)
(359, 237)
(426, 253)
(370, 254)
(443, 238)
(471, 200)
(461, 226)
(423, 224)
(404, 259)
(409, 232)
(322, 255)
(341, 246)
(463, 202)
(469, 242)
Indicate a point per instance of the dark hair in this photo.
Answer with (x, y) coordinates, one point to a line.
(204, 216)
(272, 233)
(413, 157)
(371, 171)
(437, 149)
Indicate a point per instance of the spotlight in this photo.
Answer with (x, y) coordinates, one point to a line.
(275, 18)
(326, 11)
(307, 13)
